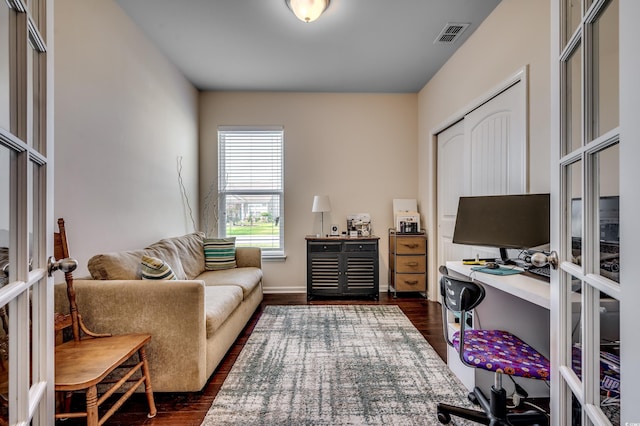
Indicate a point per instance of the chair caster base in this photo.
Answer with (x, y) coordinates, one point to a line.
(444, 418)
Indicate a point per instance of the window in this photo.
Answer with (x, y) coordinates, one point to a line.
(251, 187)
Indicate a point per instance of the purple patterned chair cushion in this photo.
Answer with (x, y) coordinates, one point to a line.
(494, 350)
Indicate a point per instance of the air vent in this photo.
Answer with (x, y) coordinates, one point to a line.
(451, 32)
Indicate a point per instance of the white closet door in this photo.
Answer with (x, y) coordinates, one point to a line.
(496, 138)
(483, 154)
(453, 182)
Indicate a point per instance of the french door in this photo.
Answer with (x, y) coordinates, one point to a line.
(595, 176)
(26, 219)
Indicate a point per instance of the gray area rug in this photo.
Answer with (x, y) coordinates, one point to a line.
(335, 365)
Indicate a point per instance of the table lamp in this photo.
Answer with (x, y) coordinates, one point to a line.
(321, 204)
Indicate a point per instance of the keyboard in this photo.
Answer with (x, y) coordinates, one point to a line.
(544, 271)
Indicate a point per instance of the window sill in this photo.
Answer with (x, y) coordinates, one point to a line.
(279, 257)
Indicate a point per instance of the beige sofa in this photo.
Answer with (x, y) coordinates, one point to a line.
(193, 320)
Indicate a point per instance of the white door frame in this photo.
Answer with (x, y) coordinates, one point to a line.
(630, 225)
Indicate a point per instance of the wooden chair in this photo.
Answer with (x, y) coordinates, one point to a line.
(87, 361)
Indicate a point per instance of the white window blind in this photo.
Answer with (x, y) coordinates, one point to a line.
(251, 186)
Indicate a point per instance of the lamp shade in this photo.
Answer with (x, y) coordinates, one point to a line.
(321, 203)
(307, 10)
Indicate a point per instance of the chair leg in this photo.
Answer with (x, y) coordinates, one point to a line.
(92, 406)
(147, 383)
(67, 401)
(444, 412)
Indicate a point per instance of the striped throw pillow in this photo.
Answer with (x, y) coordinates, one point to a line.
(153, 268)
(219, 253)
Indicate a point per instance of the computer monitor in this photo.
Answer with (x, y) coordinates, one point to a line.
(503, 221)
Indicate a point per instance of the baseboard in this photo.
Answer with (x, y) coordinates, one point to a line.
(302, 289)
(285, 290)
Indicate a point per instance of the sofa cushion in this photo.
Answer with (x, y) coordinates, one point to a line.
(246, 278)
(124, 265)
(220, 302)
(184, 254)
(167, 251)
(152, 268)
(189, 249)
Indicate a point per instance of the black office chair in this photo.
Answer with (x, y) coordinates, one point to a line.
(493, 350)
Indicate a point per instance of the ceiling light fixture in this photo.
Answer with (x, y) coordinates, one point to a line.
(307, 10)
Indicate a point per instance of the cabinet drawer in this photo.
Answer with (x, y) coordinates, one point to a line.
(411, 245)
(410, 282)
(355, 247)
(411, 264)
(328, 247)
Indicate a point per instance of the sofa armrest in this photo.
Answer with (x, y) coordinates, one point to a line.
(171, 311)
(249, 256)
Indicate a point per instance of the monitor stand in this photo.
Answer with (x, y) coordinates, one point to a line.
(504, 257)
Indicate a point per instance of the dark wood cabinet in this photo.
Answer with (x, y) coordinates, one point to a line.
(338, 266)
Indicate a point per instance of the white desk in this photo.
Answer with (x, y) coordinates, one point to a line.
(524, 287)
(516, 303)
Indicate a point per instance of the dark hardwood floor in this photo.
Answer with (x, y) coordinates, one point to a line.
(190, 408)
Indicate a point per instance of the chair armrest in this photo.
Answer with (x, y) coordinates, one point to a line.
(171, 311)
(249, 256)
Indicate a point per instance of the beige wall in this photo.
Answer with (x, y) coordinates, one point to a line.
(123, 115)
(515, 35)
(360, 149)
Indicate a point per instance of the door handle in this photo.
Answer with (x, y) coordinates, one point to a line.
(540, 259)
(65, 265)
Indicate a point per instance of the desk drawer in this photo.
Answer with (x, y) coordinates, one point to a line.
(411, 282)
(411, 245)
(411, 264)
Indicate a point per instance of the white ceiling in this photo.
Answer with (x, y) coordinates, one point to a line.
(383, 46)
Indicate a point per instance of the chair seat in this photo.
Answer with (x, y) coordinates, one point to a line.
(494, 350)
(86, 363)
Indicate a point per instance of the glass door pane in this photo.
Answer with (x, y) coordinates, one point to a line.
(6, 276)
(575, 343)
(36, 11)
(608, 163)
(576, 411)
(37, 94)
(605, 70)
(573, 101)
(575, 219)
(4, 365)
(572, 14)
(5, 75)
(610, 358)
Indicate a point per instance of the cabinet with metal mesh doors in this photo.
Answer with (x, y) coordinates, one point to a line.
(407, 262)
(342, 267)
